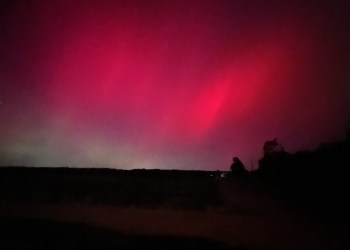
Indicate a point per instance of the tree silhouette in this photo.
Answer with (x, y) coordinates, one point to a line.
(272, 147)
(275, 160)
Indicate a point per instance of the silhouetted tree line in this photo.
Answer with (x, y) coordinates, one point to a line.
(329, 162)
(317, 179)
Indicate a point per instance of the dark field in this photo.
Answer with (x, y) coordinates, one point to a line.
(46, 208)
(146, 188)
(43, 234)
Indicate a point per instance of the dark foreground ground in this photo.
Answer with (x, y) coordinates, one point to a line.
(108, 209)
(45, 234)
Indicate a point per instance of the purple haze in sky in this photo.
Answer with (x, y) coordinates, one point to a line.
(169, 84)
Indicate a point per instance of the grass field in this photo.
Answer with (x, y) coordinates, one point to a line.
(105, 209)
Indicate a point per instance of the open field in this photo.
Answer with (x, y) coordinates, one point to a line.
(105, 209)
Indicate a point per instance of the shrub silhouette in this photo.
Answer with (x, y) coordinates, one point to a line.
(237, 168)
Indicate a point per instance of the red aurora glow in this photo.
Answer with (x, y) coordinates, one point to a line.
(164, 84)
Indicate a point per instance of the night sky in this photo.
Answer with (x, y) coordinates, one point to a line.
(170, 84)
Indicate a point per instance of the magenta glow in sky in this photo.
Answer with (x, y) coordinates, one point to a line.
(169, 84)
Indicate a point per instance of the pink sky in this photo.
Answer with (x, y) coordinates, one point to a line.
(169, 84)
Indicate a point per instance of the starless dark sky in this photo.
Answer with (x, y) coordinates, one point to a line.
(169, 84)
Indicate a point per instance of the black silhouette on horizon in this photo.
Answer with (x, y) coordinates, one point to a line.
(237, 168)
(316, 181)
